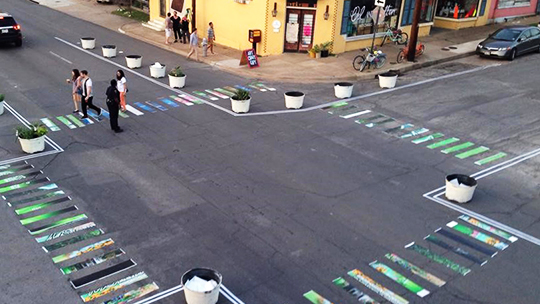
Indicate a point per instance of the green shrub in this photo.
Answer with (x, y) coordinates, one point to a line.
(177, 72)
(241, 95)
(36, 130)
(1, 97)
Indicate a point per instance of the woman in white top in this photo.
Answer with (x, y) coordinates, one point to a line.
(122, 88)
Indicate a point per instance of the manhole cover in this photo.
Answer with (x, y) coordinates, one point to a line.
(452, 47)
(445, 49)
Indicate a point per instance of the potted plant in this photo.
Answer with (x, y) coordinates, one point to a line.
(1, 104)
(134, 61)
(317, 50)
(343, 89)
(88, 43)
(240, 101)
(32, 138)
(325, 48)
(294, 100)
(177, 78)
(157, 70)
(312, 53)
(388, 79)
(109, 51)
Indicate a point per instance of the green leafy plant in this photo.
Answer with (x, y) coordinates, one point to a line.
(177, 72)
(316, 48)
(241, 95)
(325, 46)
(1, 97)
(36, 130)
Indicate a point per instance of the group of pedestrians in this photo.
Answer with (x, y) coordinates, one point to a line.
(83, 96)
(180, 28)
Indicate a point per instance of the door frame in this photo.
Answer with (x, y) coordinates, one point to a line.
(301, 11)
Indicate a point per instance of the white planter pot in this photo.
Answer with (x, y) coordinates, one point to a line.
(177, 82)
(460, 188)
(88, 43)
(134, 61)
(343, 89)
(109, 51)
(200, 297)
(294, 100)
(33, 145)
(157, 72)
(387, 80)
(1, 107)
(240, 106)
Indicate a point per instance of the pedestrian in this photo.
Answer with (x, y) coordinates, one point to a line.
(176, 26)
(122, 88)
(76, 89)
(113, 103)
(87, 95)
(185, 29)
(193, 45)
(211, 37)
(168, 28)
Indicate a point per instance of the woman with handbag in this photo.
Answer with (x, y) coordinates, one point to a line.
(76, 89)
(122, 88)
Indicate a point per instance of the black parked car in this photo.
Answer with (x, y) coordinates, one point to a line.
(10, 31)
(510, 42)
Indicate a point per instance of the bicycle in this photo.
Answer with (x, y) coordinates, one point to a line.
(376, 58)
(420, 48)
(396, 35)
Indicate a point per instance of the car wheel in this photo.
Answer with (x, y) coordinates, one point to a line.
(18, 42)
(512, 55)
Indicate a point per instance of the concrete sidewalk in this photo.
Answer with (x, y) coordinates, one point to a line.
(278, 67)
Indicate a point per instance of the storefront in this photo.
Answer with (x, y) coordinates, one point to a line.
(502, 10)
(300, 25)
(458, 14)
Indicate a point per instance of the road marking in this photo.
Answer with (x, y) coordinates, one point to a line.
(402, 127)
(457, 147)
(438, 258)
(355, 114)
(467, 242)
(443, 143)
(415, 269)
(376, 287)
(457, 250)
(414, 133)
(475, 234)
(472, 152)
(490, 159)
(487, 227)
(60, 57)
(316, 298)
(427, 138)
(399, 278)
(178, 288)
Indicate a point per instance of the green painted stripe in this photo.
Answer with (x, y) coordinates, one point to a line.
(45, 216)
(479, 224)
(472, 152)
(51, 125)
(73, 240)
(399, 128)
(94, 294)
(92, 261)
(32, 208)
(343, 110)
(133, 294)
(427, 138)
(316, 298)
(65, 121)
(122, 114)
(361, 297)
(376, 287)
(438, 258)
(18, 177)
(443, 143)
(457, 147)
(372, 118)
(414, 133)
(75, 120)
(490, 159)
(399, 278)
(36, 198)
(415, 269)
(475, 234)
(64, 232)
(22, 185)
(58, 223)
(335, 105)
(85, 249)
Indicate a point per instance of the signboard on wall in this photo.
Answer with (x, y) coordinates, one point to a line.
(178, 5)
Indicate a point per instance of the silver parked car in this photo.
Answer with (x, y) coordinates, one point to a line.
(510, 42)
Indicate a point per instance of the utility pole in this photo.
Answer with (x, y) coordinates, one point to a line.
(193, 22)
(414, 30)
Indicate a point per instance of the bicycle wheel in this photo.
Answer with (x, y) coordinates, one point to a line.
(380, 63)
(400, 56)
(358, 62)
(403, 38)
(421, 50)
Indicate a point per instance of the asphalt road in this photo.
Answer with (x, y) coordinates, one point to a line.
(279, 204)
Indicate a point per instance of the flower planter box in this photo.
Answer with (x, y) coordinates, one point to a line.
(294, 100)
(240, 106)
(109, 51)
(88, 43)
(157, 71)
(33, 145)
(134, 61)
(388, 80)
(177, 82)
(343, 89)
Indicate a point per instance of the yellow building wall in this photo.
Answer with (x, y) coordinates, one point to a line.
(154, 9)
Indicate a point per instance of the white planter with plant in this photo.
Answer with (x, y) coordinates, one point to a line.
(88, 43)
(157, 70)
(343, 89)
(134, 61)
(177, 78)
(109, 51)
(294, 100)
(32, 139)
(240, 101)
(1, 104)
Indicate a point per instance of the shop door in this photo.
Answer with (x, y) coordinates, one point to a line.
(299, 30)
(162, 8)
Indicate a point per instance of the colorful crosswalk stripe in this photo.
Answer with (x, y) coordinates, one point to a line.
(490, 159)
(97, 293)
(145, 107)
(316, 298)
(73, 240)
(398, 128)
(32, 208)
(355, 292)
(65, 121)
(19, 177)
(12, 165)
(105, 114)
(414, 133)
(87, 121)
(457, 147)
(133, 110)
(191, 99)
(62, 222)
(344, 109)
(427, 138)
(103, 273)
(438, 258)
(15, 170)
(379, 123)
(50, 124)
(123, 114)
(47, 187)
(23, 185)
(75, 120)
(265, 86)
(222, 96)
(457, 250)
(181, 100)
(399, 278)
(225, 92)
(92, 247)
(467, 242)
(169, 102)
(202, 94)
(482, 237)
(486, 227)
(95, 116)
(53, 236)
(257, 88)
(415, 269)
(335, 105)
(230, 89)
(48, 215)
(443, 143)
(355, 114)
(91, 262)
(368, 119)
(156, 105)
(242, 88)
(376, 287)
(12, 203)
(472, 152)
(133, 294)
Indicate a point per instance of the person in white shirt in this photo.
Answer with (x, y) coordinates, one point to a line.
(122, 88)
(193, 45)
(87, 95)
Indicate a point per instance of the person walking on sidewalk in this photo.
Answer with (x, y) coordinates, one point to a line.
(113, 104)
(168, 28)
(87, 95)
(185, 29)
(76, 89)
(194, 45)
(176, 26)
(211, 37)
(122, 88)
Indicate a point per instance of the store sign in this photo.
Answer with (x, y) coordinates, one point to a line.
(361, 9)
(250, 58)
(380, 3)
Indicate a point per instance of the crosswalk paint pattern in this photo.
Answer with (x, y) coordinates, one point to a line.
(418, 135)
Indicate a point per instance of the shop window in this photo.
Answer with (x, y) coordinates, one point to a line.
(426, 12)
(358, 19)
(513, 3)
(457, 9)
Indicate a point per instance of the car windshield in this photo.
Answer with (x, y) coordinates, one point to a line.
(506, 34)
(6, 21)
